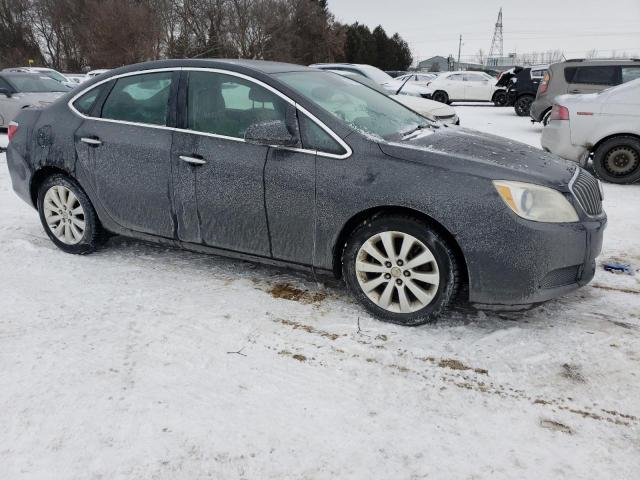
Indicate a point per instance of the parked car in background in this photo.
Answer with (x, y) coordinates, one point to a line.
(422, 78)
(49, 72)
(407, 85)
(580, 76)
(376, 75)
(95, 73)
(434, 111)
(367, 71)
(604, 125)
(77, 77)
(466, 87)
(395, 73)
(523, 86)
(19, 90)
(297, 167)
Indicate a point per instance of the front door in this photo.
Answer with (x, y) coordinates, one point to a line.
(477, 87)
(218, 178)
(124, 154)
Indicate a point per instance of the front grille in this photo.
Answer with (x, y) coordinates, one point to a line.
(560, 277)
(587, 191)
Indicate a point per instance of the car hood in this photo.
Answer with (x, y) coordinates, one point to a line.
(472, 152)
(421, 105)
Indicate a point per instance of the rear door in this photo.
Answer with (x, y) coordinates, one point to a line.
(123, 149)
(591, 78)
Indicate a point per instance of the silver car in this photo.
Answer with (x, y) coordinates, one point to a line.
(19, 90)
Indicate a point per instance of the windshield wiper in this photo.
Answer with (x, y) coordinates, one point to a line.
(414, 130)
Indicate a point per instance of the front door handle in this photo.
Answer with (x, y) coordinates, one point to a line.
(193, 160)
(94, 142)
(575, 91)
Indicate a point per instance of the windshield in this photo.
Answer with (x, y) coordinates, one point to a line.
(32, 82)
(364, 109)
(53, 74)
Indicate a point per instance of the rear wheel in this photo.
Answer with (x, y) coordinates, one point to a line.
(400, 270)
(617, 160)
(440, 96)
(523, 105)
(545, 117)
(500, 98)
(67, 215)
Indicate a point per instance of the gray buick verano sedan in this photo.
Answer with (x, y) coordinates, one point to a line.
(293, 166)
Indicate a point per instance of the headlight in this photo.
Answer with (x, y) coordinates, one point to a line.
(533, 202)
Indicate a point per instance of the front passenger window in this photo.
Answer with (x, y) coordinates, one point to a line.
(140, 99)
(227, 105)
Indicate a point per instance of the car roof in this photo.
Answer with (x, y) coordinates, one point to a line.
(261, 66)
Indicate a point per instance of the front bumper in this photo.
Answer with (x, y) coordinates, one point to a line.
(538, 109)
(519, 263)
(556, 138)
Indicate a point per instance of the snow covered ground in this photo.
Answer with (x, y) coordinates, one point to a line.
(145, 362)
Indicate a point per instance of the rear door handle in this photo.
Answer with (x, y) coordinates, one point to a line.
(193, 160)
(575, 91)
(94, 142)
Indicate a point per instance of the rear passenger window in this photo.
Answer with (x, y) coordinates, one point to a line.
(228, 105)
(630, 73)
(315, 137)
(85, 103)
(140, 99)
(594, 75)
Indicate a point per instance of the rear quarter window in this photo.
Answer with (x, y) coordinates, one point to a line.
(85, 103)
(593, 75)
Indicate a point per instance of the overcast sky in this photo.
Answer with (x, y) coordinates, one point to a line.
(433, 27)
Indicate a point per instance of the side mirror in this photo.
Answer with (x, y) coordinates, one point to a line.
(276, 133)
(5, 92)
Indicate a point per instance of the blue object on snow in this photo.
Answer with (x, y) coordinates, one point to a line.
(618, 267)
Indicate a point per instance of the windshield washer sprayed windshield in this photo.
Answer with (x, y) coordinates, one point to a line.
(361, 107)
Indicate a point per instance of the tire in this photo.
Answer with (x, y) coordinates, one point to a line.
(617, 160)
(440, 96)
(545, 117)
(440, 270)
(500, 98)
(68, 215)
(523, 105)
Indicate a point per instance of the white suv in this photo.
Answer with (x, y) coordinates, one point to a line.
(465, 86)
(605, 125)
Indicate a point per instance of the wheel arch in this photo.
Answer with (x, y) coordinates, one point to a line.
(374, 212)
(40, 176)
(611, 136)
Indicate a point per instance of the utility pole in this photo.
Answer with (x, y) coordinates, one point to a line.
(459, 49)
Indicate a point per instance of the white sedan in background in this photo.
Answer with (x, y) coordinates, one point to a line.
(466, 87)
(604, 125)
(434, 111)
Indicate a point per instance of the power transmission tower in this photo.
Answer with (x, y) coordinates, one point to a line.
(496, 50)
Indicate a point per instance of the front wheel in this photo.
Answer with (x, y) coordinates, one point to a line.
(617, 160)
(523, 105)
(67, 215)
(400, 270)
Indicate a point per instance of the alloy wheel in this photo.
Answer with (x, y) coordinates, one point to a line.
(64, 215)
(397, 272)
